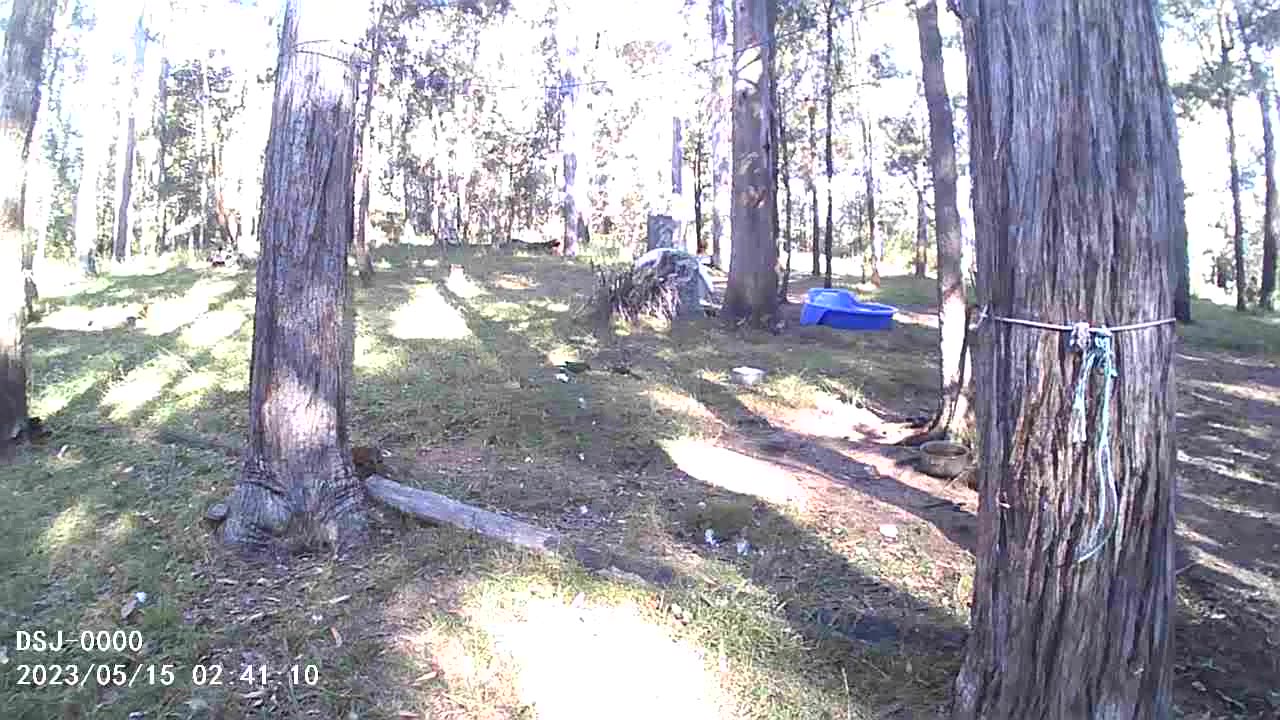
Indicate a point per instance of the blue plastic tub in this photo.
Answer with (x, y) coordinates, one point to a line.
(838, 308)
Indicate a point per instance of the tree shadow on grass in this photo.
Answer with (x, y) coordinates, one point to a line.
(842, 611)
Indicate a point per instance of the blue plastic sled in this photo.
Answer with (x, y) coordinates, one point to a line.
(838, 308)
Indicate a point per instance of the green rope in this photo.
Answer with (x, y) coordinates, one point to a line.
(1095, 344)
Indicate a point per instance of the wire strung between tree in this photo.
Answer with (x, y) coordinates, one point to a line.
(1094, 343)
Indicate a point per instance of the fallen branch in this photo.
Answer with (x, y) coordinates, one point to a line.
(434, 507)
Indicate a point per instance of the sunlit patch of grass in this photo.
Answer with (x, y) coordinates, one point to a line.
(428, 316)
(1220, 327)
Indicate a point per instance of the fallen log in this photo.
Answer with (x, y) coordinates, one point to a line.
(434, 507)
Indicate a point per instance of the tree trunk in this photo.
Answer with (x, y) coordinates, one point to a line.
(815, 241)
(297, 480)
(1228, 102)
(162, 137)
(1237, 213)
(27, 36)
(1271, 216)
(751, 294)
(95, 143)
(1074, 203)
(364, 261)
(721, 136)
(575, 147)
(699, 187)
(955, 407)
(829, 91)
(121, 245)
(1262, 83)
(202, 239)
(873, 237)
(784, 150)
(922, 224)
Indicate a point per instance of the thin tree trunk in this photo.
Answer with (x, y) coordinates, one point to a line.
(364, 261)
(816, 238)
(784, 149)
(25, 40)
(130, 140)
(162, 136)
(1237, 213)
(297, 479)
(922, 224)
(1267, 288)
(575, 146)
(721, 136)
(1270, 208)
(699, 187)
(955, 407)
(202, 231)
(1228, 101)
(751, 294)
(829, 91)
(1073, 139)
(873, 238)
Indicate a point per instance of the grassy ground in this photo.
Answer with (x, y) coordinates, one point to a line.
(836, 584)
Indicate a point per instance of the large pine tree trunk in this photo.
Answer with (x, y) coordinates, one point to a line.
(721, 135)
(297, 479)
(829, 93)
(1072, 143)
(129, 142)
(955, 408)
(364, 261)
(26, 37)
(752, 291)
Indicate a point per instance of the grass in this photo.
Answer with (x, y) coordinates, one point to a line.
(802, 608)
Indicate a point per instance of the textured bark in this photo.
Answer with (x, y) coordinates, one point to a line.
(202, 228)
(25, 40)
(575, 147)
(364, 261)
(721, 135)
(751, 294)
(955, 405)
(162, 146)
(1072, 138)
(922, 225)
(829, 93)
(1262, 87)
(874, 241)
(297, 480)
(1228, 102)
(121, 245)
(784, 150)
(815, 245)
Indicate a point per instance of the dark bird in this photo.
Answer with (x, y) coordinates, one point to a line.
(575, 367)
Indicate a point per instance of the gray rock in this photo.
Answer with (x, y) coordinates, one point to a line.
(694, 283)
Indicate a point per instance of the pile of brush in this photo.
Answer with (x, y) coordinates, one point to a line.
(636, 292)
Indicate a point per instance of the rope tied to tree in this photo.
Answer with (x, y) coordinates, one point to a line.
(1095, 345)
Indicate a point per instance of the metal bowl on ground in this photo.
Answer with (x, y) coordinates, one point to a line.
(943, 459)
